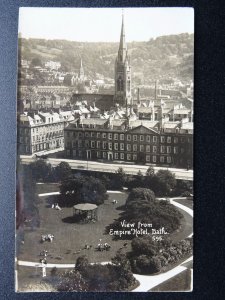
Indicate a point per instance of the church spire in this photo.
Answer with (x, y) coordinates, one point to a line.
(122, 47)
(122, 73)
(122, 35)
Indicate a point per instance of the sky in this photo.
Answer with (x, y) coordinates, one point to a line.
(103, 24)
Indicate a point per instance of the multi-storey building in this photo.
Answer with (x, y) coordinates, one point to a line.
(42, 131)
(137, 141)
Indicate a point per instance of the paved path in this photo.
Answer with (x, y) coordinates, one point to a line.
(110, 167)
(181, 206)
(48, 194)
(60, 266)
(147, 282)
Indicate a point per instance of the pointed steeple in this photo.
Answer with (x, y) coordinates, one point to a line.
(122, 53)
(122, 35)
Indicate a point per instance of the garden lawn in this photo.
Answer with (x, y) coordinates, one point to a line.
(185, 229)
(179, 283)
(70, 238)
(186, 202)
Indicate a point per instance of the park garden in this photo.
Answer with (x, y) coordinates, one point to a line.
(77, 240)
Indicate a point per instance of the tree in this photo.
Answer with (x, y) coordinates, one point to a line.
(82, 189)
(126, 278)
(139, 179)
(141, 206)
(63, 171)
(41, 170)
(81, 263)
(155, 264)
(165, 182)
(120, 177)
(142, 264)
(150, 172)
(141, 193)
(147, 265)
(144, 245)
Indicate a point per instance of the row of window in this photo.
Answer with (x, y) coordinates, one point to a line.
(120, 146)
(43, 138)
(122, 156)
(46, 146)
(128, 137)
(46, 128)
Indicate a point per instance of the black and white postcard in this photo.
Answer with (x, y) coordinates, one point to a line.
(105, 150)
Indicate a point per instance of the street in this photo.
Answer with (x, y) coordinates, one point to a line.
(110, 167)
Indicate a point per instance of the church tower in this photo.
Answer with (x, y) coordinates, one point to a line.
(122, 73)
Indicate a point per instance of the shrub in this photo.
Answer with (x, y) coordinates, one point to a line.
(144, 245)
(54, 271)
(141, 193)
(155, 264)
(72, 281)
(81, 263)
(186, 194)
(97, 277)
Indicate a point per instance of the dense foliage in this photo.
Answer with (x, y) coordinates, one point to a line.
(97, 277)
(141, 206)
(63, 171)
(162, 182)
(82, 189)
(40, 170)
(43, 171)
(148, 256)
(169, 55)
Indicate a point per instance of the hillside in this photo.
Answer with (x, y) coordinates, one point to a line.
(161, 58)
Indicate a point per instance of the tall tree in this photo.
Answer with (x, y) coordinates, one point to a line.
(166, 182)
(63, 171)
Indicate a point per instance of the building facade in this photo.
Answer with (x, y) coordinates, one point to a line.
(138, 142)
(42, 131)
(123, 73)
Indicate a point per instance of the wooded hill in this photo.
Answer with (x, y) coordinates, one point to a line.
(164, 57)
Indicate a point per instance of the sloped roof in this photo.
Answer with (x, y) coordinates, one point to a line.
(182, 111)
(94, 121)
(142, 129)
(85, 206)
(118, 122)
(187, 126)
(146, 123)
(171, 125)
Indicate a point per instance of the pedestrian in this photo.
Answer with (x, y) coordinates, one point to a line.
(58, 207)
(43, 266)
